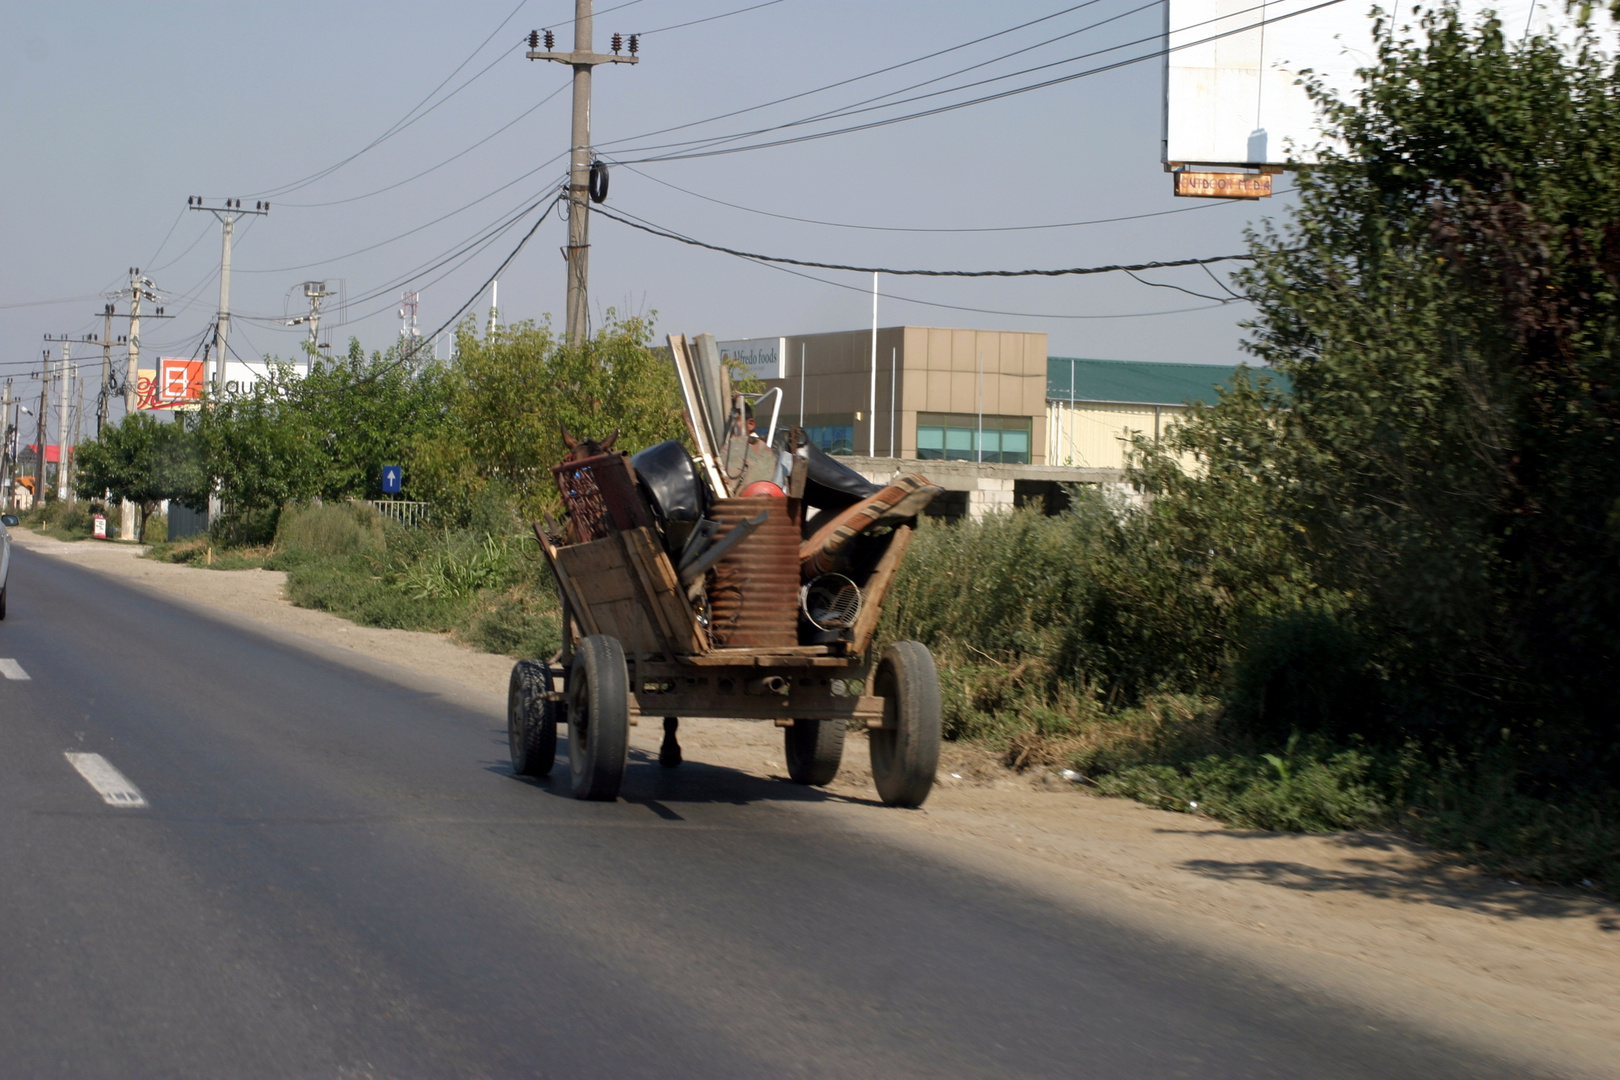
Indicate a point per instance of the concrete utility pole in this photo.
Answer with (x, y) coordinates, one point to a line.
(39, 445)
(582, 59)
(106, 370)
(315, 292)
(5, 446)
(227, 216)
(139, 287)
(62, 422)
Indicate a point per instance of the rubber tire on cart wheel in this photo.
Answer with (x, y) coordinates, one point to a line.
(598, 718)
(813, 748)
(905, 751)
(531, 720)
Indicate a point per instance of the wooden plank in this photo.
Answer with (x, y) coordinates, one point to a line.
(569, 587)
(714, 659)
(666, 605)
(877, 587)
(764, 707)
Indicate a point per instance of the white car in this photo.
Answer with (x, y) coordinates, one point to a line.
(6, 520)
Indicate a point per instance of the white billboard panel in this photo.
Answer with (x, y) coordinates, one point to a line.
(241, 377)
(762, 355)
(1230, 82)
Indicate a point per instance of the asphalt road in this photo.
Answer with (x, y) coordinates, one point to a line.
(336, 875)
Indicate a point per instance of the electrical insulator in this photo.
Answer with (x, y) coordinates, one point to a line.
(551, 41)
(635, 43)
(618, 43)
(534, 39)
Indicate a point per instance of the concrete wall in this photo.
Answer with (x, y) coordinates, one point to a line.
(990, 488)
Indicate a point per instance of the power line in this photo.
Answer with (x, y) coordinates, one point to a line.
(504, 264)
(1101, 69)
(409, 118)
(846, 82)
(866, 104)
(58, 300)
(1207, 205)
(657, 230)
(409, 232)
(711, 18)
(978, 310)
(521, 116)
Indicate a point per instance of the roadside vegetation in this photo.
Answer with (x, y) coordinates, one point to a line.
(1387, 598)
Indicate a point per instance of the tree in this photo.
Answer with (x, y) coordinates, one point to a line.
(1446, 303)
(144, 461)
(328, 433)
(511, 392)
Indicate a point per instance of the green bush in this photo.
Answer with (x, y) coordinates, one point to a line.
(338, 528)
(1307, 788)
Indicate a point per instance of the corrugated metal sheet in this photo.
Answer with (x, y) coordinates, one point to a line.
(1096, 436)
(754, 590)
(1072, 378)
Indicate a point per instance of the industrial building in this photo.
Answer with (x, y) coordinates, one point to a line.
(1002, 422)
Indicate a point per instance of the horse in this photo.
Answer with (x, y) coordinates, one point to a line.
(580, 449)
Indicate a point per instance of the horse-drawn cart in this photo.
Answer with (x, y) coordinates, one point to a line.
(724, 609)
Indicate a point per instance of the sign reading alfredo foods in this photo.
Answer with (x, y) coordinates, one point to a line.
(763, 356)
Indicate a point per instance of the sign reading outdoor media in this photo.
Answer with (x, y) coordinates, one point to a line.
(763, 356)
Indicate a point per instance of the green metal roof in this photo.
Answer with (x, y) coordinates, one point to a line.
(1148, 382)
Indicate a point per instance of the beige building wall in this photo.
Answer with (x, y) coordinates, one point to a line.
(919, 370)
(1096, 435)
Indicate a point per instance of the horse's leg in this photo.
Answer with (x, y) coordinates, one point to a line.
(669, 754)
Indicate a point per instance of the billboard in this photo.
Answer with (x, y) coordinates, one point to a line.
(1232, 67)
(176, 383)
(179, 383)
(763, 356)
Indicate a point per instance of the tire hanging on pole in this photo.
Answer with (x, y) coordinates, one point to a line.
(599, 181)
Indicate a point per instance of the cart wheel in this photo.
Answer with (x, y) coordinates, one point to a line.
(905, 751)
(531, 720)
(598, 718)
(813, 748)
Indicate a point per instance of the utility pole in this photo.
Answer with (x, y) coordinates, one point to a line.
(62, 421)
(5, 446)
(77, 382)
(106, 370)
(139, 288)
(582, 59)
(39, 458)
(227, 216)
(314, 292)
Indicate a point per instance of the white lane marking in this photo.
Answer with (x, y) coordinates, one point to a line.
(12, 670)
(114, 786)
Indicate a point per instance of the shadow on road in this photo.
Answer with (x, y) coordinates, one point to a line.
(661, 790)
(1424, 877)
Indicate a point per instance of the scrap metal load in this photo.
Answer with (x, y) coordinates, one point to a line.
(745, 580)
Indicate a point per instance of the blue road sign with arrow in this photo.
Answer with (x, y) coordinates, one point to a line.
(393, 476)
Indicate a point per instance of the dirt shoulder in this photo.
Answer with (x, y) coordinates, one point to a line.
(1408, 934)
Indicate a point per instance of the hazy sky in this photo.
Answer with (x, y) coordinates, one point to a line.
(111, 115)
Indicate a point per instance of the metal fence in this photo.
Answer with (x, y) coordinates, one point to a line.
(406, 513)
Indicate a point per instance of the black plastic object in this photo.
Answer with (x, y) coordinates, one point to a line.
(674, 488)
(832, 485)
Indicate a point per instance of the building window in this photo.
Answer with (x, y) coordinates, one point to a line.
(833, 434)
(956, 437)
